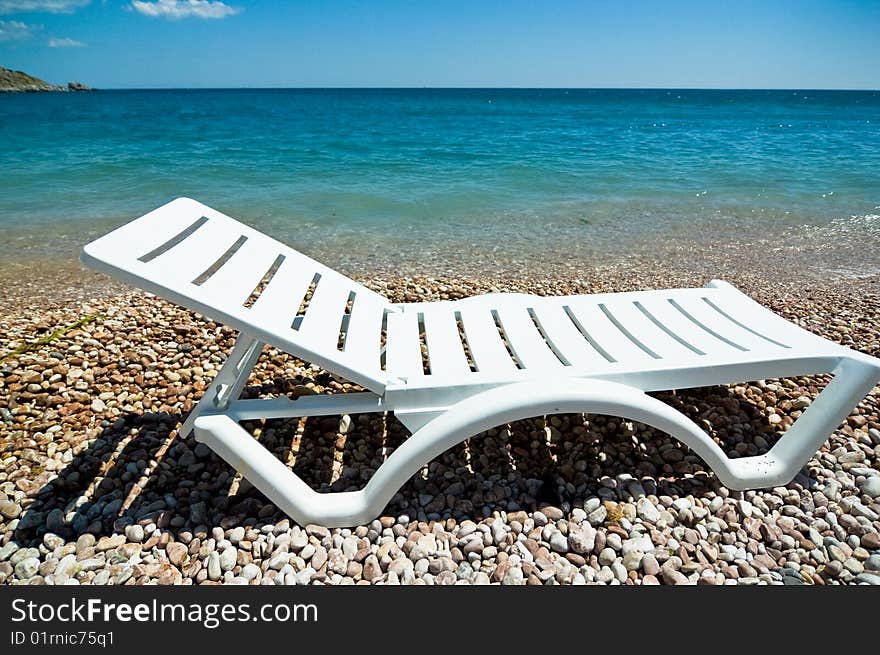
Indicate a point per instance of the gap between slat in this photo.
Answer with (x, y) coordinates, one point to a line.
(611, 317)
(709, 330)
(217, 265)
(423, 344)
(462, 336)
(666, 329)
(173, 241)
(586, 335)
(503, 334)
(383, 340)
(304, 304)
(264, 282)
(346, 321)
(552, 346)
(744, 327)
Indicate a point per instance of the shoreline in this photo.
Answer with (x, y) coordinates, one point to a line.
(97, 488)
(839, 259)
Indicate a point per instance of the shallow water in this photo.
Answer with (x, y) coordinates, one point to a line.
(437, 175)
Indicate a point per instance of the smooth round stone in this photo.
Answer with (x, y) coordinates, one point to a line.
(607, 556)
(214, 570)
(871, 486)
(134, 533)
(632, 560)
(27, 568)
(23, 554)
(582, 540)
(250, 571)
(559, 542)
(228, 558)
(236, 535)
(853, 565)
(9, 510)
(646, 510)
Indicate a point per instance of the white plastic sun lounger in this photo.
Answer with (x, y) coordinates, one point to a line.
(452, 369)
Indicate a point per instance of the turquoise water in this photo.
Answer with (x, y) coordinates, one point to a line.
(380, 173)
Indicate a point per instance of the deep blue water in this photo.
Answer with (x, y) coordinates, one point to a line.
(386, 171)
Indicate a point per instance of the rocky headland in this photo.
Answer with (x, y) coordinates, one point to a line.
(18, 82)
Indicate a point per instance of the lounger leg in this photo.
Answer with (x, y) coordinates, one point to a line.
(852, 381)
(457, 423)
(228, 382)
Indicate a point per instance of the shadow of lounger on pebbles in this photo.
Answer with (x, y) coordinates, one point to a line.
(139, 471)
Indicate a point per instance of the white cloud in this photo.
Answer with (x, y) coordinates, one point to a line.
(176, 9)
(47, 6)
(13, 30)
(65, 42)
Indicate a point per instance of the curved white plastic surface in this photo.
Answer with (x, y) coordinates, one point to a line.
(524, 400)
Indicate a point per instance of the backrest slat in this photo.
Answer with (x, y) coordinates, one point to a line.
(210, 263)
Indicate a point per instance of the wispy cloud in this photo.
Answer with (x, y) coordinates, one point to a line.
(65, 42)
(44, 6)
(176, 9)
(13, 30)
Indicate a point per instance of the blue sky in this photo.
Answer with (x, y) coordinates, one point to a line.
(209, 43)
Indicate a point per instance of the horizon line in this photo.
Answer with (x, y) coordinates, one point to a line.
(470, 88)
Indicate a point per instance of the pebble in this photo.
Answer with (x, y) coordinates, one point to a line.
(214, 569)
(647, 511)
(607, 556)
(278, 561)
(868, 578)
(177, 553)
(250, 571)
(7, 550)
(9, 510)
(608, 513)
(514, 576)
(871, 486)
(650, 565)
(582, 540)
(633, 560)
(27, 568)
(236, 536)
(227, 558)
(558, 542)
(134, 533)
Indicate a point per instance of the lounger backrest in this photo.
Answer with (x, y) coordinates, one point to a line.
(210, 263)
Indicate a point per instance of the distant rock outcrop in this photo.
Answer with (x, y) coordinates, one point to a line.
(17, 82)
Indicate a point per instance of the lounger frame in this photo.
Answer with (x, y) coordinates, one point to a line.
(670, 339)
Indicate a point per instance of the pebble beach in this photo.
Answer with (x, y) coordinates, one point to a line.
(97, 487)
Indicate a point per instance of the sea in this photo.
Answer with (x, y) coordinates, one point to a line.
(442, 177)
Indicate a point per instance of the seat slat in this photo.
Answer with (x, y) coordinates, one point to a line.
(484, 341)
(565, 336)
(323, 318)
(645, 331)
(236, 280)
(525, 340)
(362, 338)
(403, 352)
(728, 329)
(606, 335)
(445, 352)
(662, 310)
